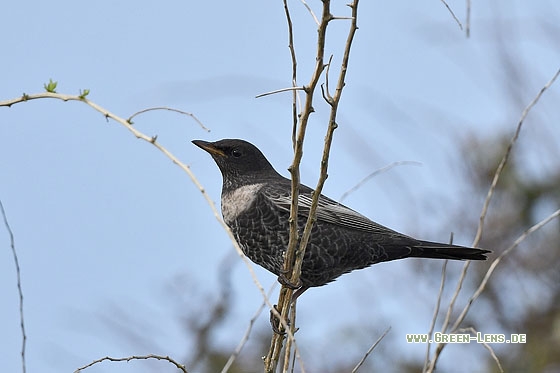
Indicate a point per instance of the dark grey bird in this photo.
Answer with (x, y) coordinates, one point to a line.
(256, 206)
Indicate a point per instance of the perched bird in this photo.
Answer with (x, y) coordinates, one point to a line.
(256, 206)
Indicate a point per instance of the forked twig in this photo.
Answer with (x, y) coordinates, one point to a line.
(294, 258)
(284, 299)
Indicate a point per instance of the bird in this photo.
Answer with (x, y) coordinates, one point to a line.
(256, 201)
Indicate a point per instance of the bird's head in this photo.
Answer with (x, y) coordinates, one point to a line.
(240, 162)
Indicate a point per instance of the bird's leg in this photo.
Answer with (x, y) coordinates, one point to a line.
(299, 292)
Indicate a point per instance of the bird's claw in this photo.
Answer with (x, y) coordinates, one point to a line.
(275, 322)
(285, 281)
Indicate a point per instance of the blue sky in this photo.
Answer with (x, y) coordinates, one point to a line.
(107, 229)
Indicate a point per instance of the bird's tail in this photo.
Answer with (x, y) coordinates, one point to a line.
(436, 250)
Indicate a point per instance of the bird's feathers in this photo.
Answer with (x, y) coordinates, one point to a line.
(236, 201)
(329, 211)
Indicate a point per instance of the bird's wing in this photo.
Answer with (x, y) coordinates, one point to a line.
(328, 211)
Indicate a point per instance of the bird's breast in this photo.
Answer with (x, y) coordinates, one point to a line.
(238, 200)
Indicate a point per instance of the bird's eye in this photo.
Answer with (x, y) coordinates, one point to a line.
(236, 153)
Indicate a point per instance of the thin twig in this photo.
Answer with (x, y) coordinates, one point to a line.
(452, 14)
(375, 173)
(129, 358)
(20, 291)
(289, 342)
(311, 12)
(295, 93)
(362, 361)
(288, 89)
(436, 312)
(169, 109)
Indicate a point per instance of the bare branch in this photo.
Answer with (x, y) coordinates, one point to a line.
(20, 291)
(169, 109)
(288, 89)
(290, 341)
(362, 361)
(285, 297)
(479, 232)
(452, 14)
(505, 158)
(311, 12)
(295, 95)
(152, 140)
(375, 173)
(432, 364)
(497, 261)
(294, 258)
(328, 141)
(436, 312)
(179, 366)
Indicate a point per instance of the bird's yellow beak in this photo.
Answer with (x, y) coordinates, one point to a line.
(209, 147)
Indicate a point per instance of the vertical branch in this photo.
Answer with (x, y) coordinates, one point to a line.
(294, 258)
(271, 361)
(333, 102)
(20, 291)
